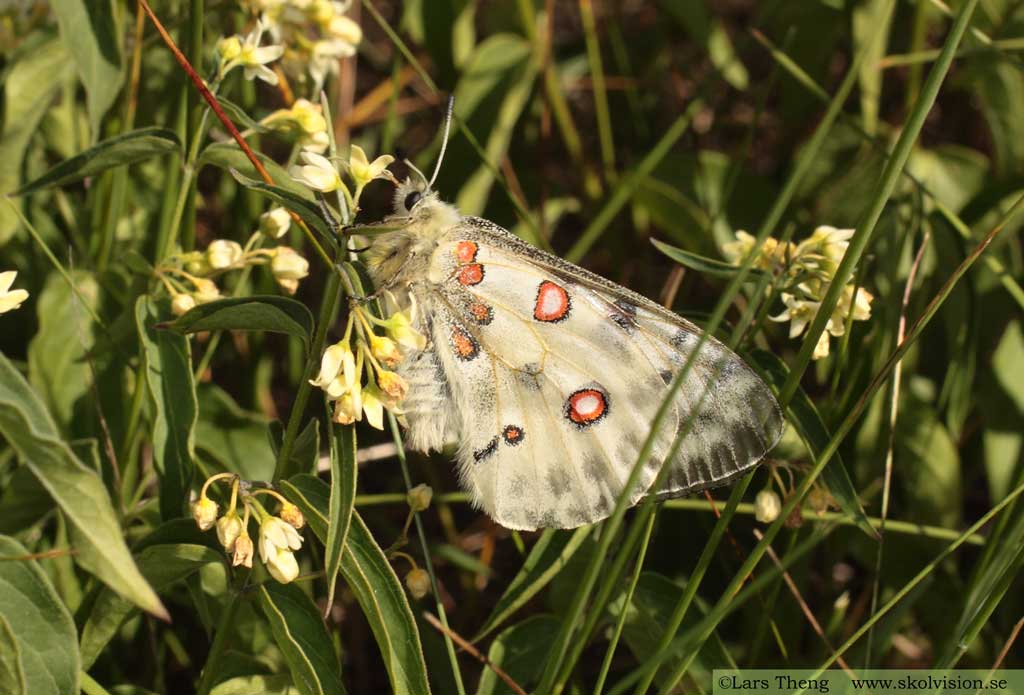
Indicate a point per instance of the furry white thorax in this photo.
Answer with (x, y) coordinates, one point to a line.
(421, 228)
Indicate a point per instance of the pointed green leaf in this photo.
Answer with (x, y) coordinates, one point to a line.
(227, 155)
(12, 671)
(122, 150)
(702, 264)
(298, 204)
(30, 85)
(38, 623)
(341, 504)
(172, 394)
(76, 490)
(370, 577)
(258, 313)
(301, 635)
(89, 29)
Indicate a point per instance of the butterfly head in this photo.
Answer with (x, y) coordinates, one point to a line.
(411, 195)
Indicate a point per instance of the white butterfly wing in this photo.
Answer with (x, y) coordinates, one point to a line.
(557, 374)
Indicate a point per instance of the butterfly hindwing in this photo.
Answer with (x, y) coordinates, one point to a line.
(557, 374)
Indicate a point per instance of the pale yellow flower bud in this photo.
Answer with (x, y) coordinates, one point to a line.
(229, 48)
(206, 291)
(182, 304)
(419, 497)
(385, 350)
(418, 583)
(392, 385)
(291, 514)
(243, 551)
(767, 506)
(229, 528)
(275, 223)
(204, 511)
(287, 264)
(223, 253)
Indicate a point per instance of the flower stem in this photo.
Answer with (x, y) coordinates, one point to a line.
(327, 309)
(220, 642)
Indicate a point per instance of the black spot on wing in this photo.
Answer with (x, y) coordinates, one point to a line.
(624, 315)
(484, 453)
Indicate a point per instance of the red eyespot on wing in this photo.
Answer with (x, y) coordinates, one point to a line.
(552, 303)
(472, 274)
(586, 406)
(466, 348)
(465, 251)
(512, 434)
(481, 313)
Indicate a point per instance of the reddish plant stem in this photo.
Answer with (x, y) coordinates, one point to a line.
(206, 93)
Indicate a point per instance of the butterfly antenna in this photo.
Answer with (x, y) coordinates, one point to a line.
(417, 170)
(444, 140)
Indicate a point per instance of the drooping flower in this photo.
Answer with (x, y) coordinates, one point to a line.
(767, 506)
(278, 541)
(182, 304)
(275, 223)
(349, 406)
(243, 551)
(307, 119)
(10, 299)
(418, 498)
(292, 515)
(288, 268)
(385, 350)
(392, 385)
(338, 364)
(229, 529)
(204, 511)
(399, 325)
(317, 173)
(373, 406)
(223, 253)
(418, 583)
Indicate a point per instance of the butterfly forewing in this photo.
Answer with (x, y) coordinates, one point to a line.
(552, 376)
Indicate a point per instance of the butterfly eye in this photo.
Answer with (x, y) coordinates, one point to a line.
(412, 199)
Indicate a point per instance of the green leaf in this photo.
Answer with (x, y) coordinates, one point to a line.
(39, 624)
(702, 264)
(258, 313)
(520, 652)
(298, 204)
(341, 504)
(549, 555)
(76, 490)
(301, 635)
(122, 150)
(172, 395)
(12, 671)
(521, 74)
(89, 29)
(808, 423)
(232, 436)
(56, 355)
(162, 566)
(29, 87)
(306, 450)
(23, 501)
(228, 156)
(264, 685)
(370, 577)
(871, 23)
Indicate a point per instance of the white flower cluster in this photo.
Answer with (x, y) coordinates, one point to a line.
(188, 277)
(361, 351)
(315, 35)
(278, 536)
(809, 268)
